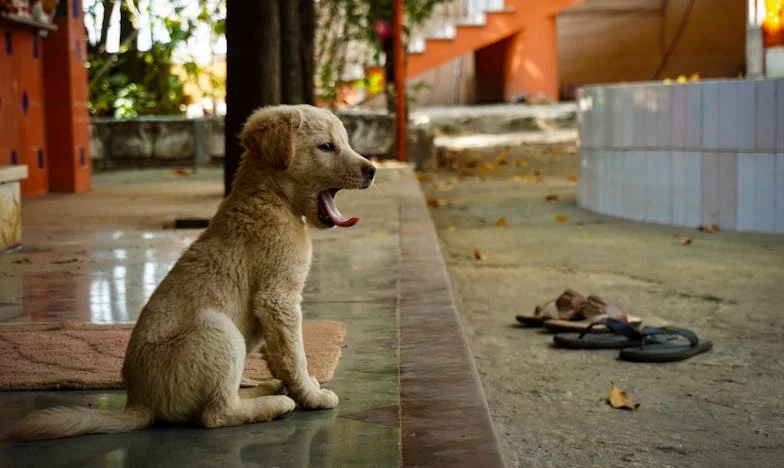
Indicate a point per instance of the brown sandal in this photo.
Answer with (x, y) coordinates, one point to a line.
(594, 309)
(567, 306)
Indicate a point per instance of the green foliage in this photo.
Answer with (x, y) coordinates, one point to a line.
(130, 83)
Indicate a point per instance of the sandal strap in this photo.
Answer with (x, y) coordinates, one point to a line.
(650, 332)
(616, 326)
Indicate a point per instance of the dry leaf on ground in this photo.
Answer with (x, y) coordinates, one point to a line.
(619, 399)
(560, 218)
(451, 228)
(182, 171)
(435, 202)
(572, 178)
(708, 228)
(422, 177)
(500, 222)
(479, 255)
(682, 240)
(552, 197)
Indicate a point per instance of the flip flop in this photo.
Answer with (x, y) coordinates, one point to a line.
(613, 334)
(679, 344)
(595, 309)
(567, 306)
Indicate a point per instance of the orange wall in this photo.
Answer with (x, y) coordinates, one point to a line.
(598, 45)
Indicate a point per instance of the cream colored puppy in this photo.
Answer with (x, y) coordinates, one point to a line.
(237, 288)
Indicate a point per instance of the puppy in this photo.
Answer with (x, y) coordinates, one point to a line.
(237, 289)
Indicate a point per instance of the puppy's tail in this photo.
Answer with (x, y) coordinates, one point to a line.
(59, 422)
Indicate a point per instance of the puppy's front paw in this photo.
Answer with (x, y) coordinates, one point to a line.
(320, 399)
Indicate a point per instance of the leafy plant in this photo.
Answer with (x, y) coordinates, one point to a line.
(348, 38)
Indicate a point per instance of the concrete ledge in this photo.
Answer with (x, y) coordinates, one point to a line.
(11, 205)
(444, 414)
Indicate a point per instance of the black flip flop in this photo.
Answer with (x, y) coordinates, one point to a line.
(678, 344)
(621, 335)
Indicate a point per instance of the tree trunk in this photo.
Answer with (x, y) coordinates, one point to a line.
(307, 24)
(131, 64)
(108, 9)
(290, 53)
(252, 71)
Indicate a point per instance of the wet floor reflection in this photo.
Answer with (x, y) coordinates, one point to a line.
(105, 279)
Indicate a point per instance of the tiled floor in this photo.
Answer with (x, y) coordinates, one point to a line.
(409, 391)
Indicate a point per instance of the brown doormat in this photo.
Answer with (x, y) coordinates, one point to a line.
(85, 356)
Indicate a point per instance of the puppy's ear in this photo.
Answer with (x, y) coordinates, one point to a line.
(268, 135)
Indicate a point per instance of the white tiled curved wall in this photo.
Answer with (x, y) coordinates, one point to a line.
(709, 152)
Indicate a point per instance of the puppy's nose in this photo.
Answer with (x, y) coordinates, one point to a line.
(369, 171)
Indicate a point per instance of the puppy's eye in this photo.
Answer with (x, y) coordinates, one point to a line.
(327, 148)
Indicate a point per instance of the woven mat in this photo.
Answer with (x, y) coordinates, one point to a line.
(85, 356)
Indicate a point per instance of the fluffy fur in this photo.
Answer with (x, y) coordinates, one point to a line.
(237, 289)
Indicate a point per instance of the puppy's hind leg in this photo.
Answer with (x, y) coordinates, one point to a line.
(231, 410)
(224, 407)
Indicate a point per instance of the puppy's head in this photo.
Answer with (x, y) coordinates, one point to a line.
(306, 150)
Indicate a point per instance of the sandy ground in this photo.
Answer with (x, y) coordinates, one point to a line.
(722, 408)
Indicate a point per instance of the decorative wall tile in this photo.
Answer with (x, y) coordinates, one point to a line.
(678, 120)
(694, 121)
(746, 195)
(709, 196)
(710, 116)
(780, 193)
(663, 137)
(779, 115)
(746, 114)
(765, 193)
(766, 116)
(728, 190)
(728, 115)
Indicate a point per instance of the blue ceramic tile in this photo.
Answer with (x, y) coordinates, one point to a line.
(25, 102)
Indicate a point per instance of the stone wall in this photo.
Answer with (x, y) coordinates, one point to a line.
(172, 141)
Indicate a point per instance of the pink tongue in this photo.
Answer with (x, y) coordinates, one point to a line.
(332, 211)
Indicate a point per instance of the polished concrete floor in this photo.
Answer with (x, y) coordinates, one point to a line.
(98, 257)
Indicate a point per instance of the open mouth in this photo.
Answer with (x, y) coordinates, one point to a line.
(328, 212)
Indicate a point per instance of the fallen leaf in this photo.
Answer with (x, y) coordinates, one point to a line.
(472, 164)
(500, 222)
(422, 177)
(708, 228)
(516, 178)
(479, 255)
(467, 172)
(435, 202)
(451, 228)
(560, 218)
(619, 399)
(520, 163)
(533, 179)
(182, 171)
(552, 197)
(453, 180)
(572, 178)
(682, 240)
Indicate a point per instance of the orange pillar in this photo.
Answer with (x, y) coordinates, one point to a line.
(67, 118)
(22, 133)
(531, 65)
